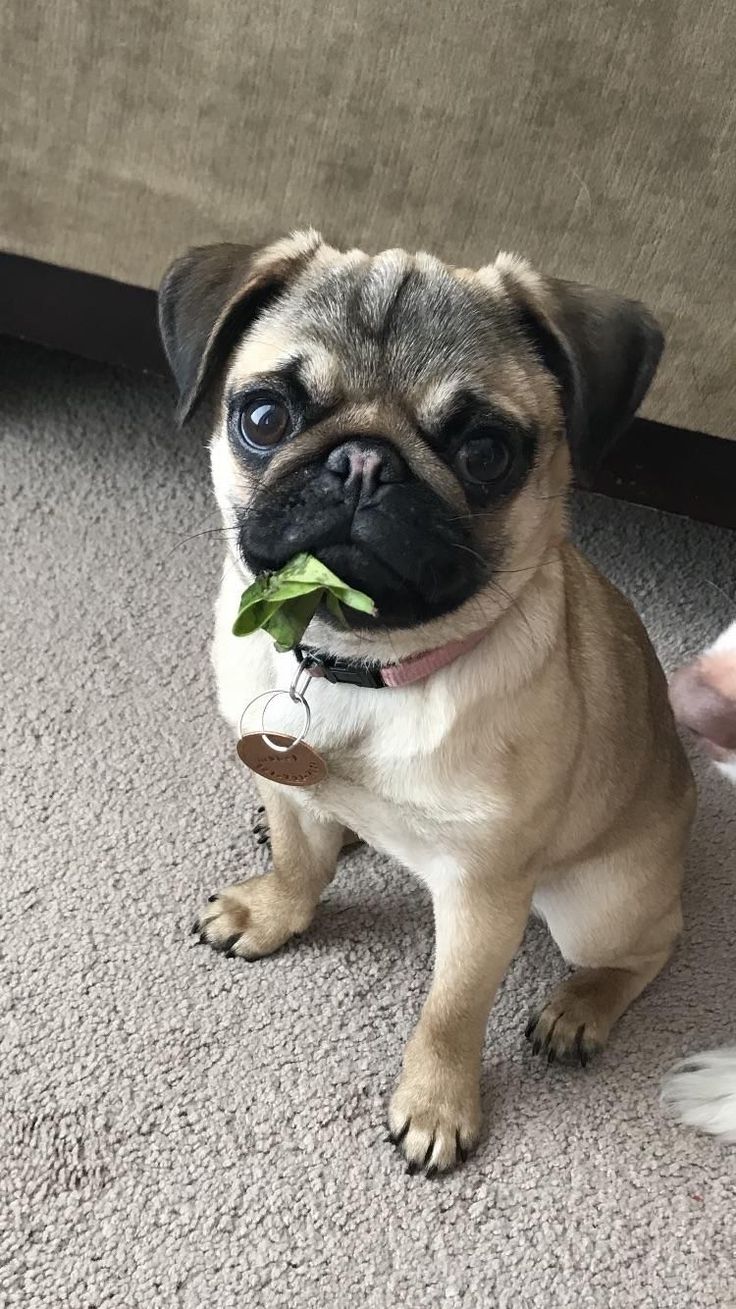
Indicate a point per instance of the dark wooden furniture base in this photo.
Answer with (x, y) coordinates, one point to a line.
(668, 468)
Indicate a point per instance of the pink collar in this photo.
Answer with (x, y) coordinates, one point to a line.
(415, 668)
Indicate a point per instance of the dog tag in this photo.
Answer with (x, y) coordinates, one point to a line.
(299, 765)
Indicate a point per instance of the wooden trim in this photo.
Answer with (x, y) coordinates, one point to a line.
(668, 468)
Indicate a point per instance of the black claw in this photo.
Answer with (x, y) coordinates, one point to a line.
(531, 1025)
(460, 1150)
(551, 1056)
(211, 898)
(580, 1052)
(225, 946)
(262, 840)
(428, 1155)
(261, 809)
(548, 1038)
(196, 928)
(397, 1137)
(537, 1046)
(412, 1168)
(432, 1173)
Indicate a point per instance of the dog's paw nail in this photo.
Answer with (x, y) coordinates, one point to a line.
(460, 1149)
(196, 928)
(261, 809)
(551, 1056)
(537, 1046)
(530, 1027)
(228, 944)
(432, 1173)
(412, 1168)
(211, 899)
(397, 1137)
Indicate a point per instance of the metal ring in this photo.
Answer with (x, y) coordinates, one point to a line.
(269, 696)
(303, 669)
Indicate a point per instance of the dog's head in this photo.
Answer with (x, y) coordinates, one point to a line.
(410, 424)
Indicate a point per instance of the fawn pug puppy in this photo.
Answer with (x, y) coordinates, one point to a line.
(501, 728)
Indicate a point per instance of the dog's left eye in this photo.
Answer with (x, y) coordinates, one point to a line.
(483, 459)
(264, 422)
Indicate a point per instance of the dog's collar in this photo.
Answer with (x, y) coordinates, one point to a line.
(415, 668)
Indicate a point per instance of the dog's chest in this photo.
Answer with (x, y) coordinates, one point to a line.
(404, 770)
(396, 775)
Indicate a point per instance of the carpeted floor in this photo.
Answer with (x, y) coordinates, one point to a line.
(180, 1130)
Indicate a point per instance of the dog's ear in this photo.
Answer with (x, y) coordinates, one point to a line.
(602, 348)
(211, 295)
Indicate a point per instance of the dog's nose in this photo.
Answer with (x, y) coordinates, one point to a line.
(364, 466)
(701, 705)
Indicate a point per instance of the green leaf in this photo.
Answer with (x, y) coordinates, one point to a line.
(335, 608)
(253, 616)
(289, 623)
(284, 603)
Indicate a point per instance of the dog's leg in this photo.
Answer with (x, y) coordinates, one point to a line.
(619, 930)
(434, 1115)
(255, 917)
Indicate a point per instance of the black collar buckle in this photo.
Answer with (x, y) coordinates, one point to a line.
(337, 670)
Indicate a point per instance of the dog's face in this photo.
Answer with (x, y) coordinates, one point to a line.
(407, 423)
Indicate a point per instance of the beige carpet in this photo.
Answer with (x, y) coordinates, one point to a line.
(180, 1130)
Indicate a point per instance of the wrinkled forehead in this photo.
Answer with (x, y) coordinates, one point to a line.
(392, 322)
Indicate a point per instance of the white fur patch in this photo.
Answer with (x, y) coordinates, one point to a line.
(701, 1092)
(726, 641)
(518, 268)
(490, 277)
(728, 768)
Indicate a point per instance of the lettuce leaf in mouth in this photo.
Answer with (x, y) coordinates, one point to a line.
(284, 603)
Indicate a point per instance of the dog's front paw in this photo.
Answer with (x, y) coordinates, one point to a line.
(434, 1114)
(251, 919)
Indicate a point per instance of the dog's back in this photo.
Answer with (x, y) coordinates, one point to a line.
(701, 1090)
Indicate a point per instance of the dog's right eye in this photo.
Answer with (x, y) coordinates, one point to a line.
(264, 421)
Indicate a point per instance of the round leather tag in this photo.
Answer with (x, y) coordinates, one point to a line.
(300, 766)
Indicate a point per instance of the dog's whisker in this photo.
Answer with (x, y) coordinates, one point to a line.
(456, 545)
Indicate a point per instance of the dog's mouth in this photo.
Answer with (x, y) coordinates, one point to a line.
(404, 548)
(399, 602)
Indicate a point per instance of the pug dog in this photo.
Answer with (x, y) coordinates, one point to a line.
(501, 727)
